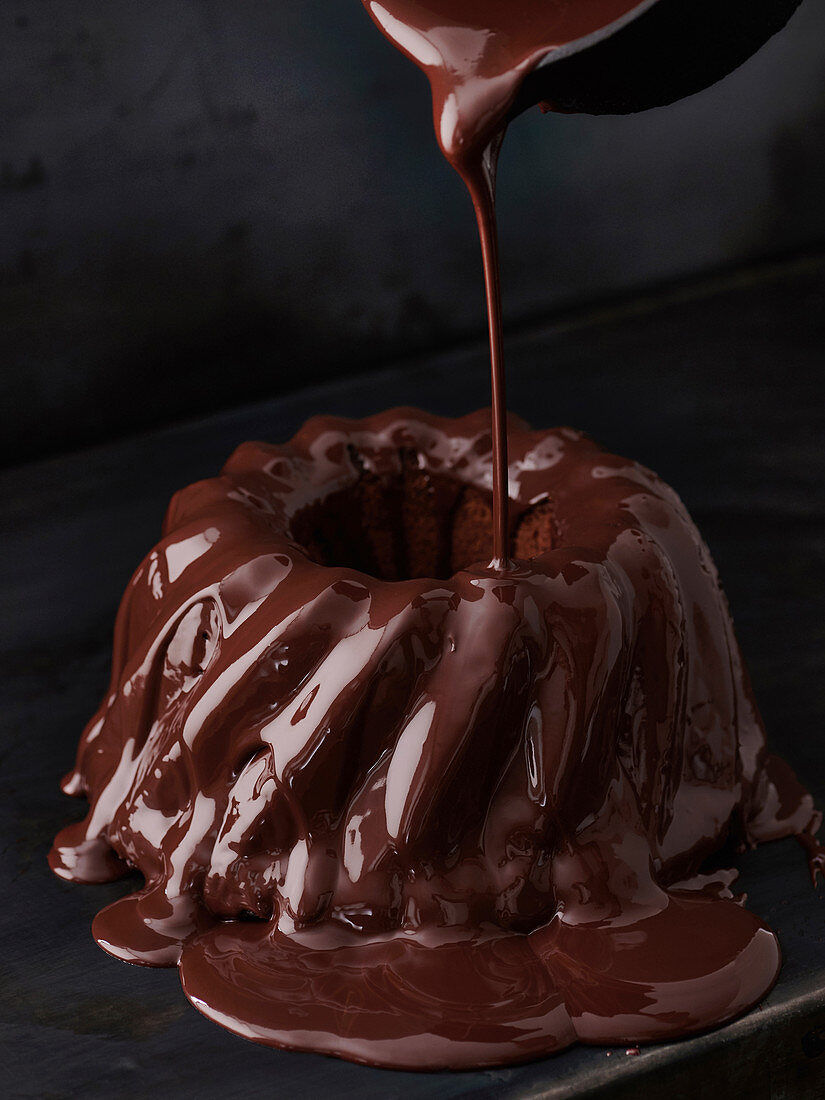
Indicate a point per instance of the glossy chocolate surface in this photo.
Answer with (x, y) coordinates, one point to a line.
(431, 814)
(476, 54)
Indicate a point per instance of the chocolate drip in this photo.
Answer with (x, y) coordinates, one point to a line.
(481, 182)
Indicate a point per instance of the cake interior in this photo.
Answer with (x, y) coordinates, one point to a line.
(409, 522)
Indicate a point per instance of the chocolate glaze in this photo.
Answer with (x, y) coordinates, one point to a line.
(412, 810)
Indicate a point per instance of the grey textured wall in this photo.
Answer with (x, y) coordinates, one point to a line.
(203, 203)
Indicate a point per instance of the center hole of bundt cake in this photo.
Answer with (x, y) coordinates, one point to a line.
(413, 522)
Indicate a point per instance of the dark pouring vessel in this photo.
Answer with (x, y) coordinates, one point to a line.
(659, 52)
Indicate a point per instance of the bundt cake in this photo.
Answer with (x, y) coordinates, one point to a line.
(396, 805)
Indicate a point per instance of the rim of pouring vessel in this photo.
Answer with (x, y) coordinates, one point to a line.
(659, 52)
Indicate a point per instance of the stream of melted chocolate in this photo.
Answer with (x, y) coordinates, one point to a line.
(396, 802)
(477, 54)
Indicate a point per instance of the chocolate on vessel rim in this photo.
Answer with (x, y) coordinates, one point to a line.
(431, 821)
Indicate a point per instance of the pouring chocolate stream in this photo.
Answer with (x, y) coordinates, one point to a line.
(477, 56)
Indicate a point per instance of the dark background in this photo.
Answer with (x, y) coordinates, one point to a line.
(204, 204)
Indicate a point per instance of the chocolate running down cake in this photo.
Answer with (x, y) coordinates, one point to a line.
(396, 805)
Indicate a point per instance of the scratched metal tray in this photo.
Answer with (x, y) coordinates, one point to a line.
(722, 392)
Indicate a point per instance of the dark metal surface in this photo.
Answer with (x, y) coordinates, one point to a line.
(721, 389)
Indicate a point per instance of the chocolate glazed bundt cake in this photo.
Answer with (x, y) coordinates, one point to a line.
(392, 804)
